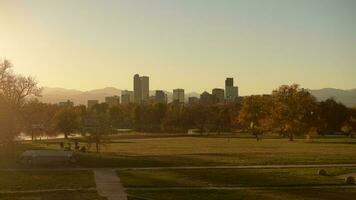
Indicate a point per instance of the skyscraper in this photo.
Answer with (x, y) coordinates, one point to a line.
(145, 88)
(219, 95)
(231, 91)
(137, 89)
(127, 97)
(207, 98)
(112, 101)
(178, 96)
(160, 97)
(141, 89)
(92, 103)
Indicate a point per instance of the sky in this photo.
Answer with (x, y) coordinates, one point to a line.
(190, 44)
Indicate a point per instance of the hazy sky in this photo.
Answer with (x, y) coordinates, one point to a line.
(191, 44)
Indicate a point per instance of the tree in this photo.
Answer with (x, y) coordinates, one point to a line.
(97, 125)
(332, 115)
(67, 120)
(223, 121)
(255, 114)
(293, 110)
(14, 92)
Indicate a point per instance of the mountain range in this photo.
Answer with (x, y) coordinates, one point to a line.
(55, 95)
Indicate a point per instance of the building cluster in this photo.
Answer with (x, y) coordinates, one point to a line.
(141, 95)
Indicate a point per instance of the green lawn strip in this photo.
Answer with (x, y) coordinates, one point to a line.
(230, 177)
(255, 194)
(67, 195)
(211, 151)
(41, 180)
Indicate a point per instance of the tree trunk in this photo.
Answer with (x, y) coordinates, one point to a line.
(291, 137)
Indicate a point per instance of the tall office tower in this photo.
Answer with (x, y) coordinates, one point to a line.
(67, 103)
(193, 100)
(231, 91)
(127, 97)
(207, 98)
(141, 89)
(160, 97)
(112, 101)
(178, 96)
(145, 88)
(219, 95)
(92, 103)
(137, 89)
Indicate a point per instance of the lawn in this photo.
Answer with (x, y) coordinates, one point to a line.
(257, 184)
(77, 195)
(230, 177)
(209, 151)
(42, 180)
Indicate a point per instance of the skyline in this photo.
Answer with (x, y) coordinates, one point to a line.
(195, 46)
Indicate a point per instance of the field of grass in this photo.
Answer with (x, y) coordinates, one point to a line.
(78, 195)
(42, 180)
(257, 184)
(177, 184)
(208, 151)
(231, 177)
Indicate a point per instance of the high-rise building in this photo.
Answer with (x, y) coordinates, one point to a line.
(127, 97)
(231, 91)
(160, 97)
(219, 95)
(207, 98)
(141, 88)
(137, 89)
(68, 103)
(193, 100)
(145, 88)
(112, 101)
(178, 96)
(92, 103)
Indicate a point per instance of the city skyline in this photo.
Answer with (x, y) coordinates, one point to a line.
(85, 45)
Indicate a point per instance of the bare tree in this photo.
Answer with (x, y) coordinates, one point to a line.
(14, 92)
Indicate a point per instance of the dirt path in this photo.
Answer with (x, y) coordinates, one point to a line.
(108, 184)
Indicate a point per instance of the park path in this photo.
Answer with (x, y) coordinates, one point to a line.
(188, 167)
(108, 184)
(346, 175)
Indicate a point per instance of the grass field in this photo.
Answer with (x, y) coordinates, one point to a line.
(177, 184)
(77, 195)
(43, 180)
(249, 183)
(208, 151)
(231, 177)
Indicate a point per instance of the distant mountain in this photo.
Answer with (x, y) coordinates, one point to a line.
(55, 95)
(347, 97)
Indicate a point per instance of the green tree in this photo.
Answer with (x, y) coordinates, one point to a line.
(293, 110)
(255, 114)
(67, 120)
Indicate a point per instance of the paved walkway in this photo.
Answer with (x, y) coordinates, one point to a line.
(246, 187)
(190, 167)
(108, 184)
(244, 167)
(346, 175)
